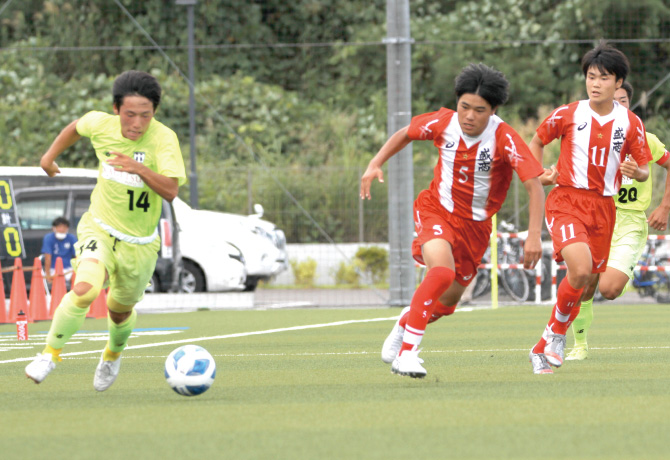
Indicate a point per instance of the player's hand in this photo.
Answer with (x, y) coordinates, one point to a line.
(658, 219)
(123, 162)
(629, 168)
(550, 176)
(532, 251)
(366, 181)
(49, 167)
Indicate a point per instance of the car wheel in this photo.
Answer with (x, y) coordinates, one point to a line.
(191, 279)
(251, 283)
(154, 287)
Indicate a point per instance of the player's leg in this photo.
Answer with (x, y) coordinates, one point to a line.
(135, 266)
(582, 322)
(628, 241)
(439, 277)
(121, 321)
(393, 342)
(69, 316)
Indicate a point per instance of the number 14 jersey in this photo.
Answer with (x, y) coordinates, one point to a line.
(121, 200)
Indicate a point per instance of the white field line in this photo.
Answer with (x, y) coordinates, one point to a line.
(218, 337)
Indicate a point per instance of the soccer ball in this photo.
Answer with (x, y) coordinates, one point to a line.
(190, 370)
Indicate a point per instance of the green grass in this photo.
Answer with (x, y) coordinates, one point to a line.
(323, 393)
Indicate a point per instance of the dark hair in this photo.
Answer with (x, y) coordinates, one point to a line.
(629, 90)
(607, 59)
(60, 221)
(486, 82)
(136, 83)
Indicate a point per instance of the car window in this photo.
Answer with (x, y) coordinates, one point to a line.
(79, 207)
(38, 213)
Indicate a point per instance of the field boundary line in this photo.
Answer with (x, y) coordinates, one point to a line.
(219, 337)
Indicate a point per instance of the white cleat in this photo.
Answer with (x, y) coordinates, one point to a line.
(40, 367)
(409, 363)
(554, 350)
(393, 342)
(106, 373)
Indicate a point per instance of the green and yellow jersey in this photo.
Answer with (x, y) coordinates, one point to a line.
(634, 195)
(122, 200)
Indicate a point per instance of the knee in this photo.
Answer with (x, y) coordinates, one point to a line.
(85, 294)
(610, 292)
(579, 278)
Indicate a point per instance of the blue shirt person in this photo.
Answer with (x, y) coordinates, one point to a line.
(58, 243)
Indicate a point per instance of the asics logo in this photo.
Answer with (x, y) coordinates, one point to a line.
(450, 144)
(582, 126)
(465, 278)
(428, 302)
(601, 262)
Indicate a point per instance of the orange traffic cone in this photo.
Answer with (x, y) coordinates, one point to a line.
(99, 306)
(3, 307)
(38, 295)
(58, 287)
(18, 300)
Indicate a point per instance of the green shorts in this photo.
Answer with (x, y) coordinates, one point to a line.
(130, 266)
(628, 241)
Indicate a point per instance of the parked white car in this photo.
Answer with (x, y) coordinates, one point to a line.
(261, 244)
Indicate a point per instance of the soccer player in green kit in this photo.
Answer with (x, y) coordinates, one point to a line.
(630, 233)
(140, 164)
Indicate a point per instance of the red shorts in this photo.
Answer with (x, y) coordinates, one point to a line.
(577, 215)
(468, 238)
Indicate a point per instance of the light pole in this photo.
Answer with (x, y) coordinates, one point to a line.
(193, 177)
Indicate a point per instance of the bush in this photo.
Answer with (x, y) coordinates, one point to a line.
(347, 274)
(304, 272)
(374, 262)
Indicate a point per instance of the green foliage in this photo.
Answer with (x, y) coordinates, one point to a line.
(374, 262)
(304, 271)
(291, 125)
(347, 273)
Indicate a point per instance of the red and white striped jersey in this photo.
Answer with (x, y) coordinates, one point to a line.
(593, 146)
(473, 174)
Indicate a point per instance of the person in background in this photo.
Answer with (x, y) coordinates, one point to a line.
(58, 243)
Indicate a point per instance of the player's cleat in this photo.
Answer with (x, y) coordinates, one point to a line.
(106, 373)
(578, 353)
(393, 342)
(40, 367)
(540, 364)
(409, 363)
(554, 349)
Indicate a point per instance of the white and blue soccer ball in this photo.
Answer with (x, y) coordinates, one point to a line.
(190, 370)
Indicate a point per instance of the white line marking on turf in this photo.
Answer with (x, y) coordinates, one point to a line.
(217, 337)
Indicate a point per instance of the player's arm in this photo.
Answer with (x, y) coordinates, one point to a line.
(536, 147)
(532, 248)
(630, 168)
(393, 145)
(167, 187)
(65, 139)
(47, 266)
(658, 219)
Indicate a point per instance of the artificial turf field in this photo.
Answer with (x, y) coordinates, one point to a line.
(323, 392)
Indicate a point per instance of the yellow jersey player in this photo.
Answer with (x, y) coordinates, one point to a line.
(630, 233)
(140, 164)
